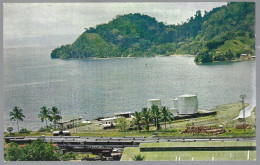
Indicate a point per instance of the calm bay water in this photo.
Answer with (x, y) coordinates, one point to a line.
(101, 87)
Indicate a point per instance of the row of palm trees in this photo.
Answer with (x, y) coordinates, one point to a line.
(154, 116)
(52, 114)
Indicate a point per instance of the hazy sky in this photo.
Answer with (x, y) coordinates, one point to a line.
(30, 20)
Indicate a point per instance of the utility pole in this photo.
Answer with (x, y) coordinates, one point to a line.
(244, 113)
(73, 122)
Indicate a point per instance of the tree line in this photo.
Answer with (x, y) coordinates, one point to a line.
(38, 150)
(148, 116)
(46, 114)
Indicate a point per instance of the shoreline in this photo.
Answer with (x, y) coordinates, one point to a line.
(228, 61)
(216, 109)
(172, 55)
(106, 58)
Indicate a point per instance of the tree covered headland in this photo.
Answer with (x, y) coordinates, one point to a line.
(221, 34)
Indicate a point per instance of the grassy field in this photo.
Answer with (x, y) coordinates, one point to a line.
(170, 133)
(191, 155)
(32, 133)
(225, 115)
(188, 155)
(114, 133)
(199, 144)
(176, 133)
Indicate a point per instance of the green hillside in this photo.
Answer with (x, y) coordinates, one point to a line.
(221, 34)
(86, 45)
(228, 33)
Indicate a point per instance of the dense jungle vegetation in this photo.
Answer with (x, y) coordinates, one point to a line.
(219, 35)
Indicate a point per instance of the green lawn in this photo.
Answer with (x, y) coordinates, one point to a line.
(191, 155)
(32, 133)
(225, 115)
(199, 144)
(188, 155)
(114, 133)
(169, 133)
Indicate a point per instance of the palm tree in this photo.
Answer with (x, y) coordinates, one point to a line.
(166, 115)
(156, 116)
(137, 120)
(55, 115)
(44, 114)
(16, 115)
(146, 118)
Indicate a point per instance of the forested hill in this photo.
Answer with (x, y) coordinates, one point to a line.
(221, 34)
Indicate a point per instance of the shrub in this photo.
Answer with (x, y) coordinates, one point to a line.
(44, 129)
(122, 124)
(24, 130)
(10, 129)
(188, 124)
(138, 157)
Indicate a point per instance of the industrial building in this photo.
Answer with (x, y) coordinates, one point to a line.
(244, 56)
(109, 122)
(69, 123)
(124, 114)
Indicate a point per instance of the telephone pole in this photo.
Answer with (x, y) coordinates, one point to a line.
(244, 113)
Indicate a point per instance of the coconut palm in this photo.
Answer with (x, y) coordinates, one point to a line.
(166, 115)
(156, 116)
(16, 115)
(55, 115)
(137, 120)
(146, 118)
(44, 114)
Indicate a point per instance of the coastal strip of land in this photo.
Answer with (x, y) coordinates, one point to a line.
(224, 116)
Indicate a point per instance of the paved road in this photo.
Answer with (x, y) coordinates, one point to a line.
(78, 139)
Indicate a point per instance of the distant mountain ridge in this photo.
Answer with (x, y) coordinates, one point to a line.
(221, 34)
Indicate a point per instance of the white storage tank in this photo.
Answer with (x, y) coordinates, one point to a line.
(187, 104)
(174, 111)
(151, 102)
(175, 103)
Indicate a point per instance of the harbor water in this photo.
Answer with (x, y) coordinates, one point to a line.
(92, 88)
